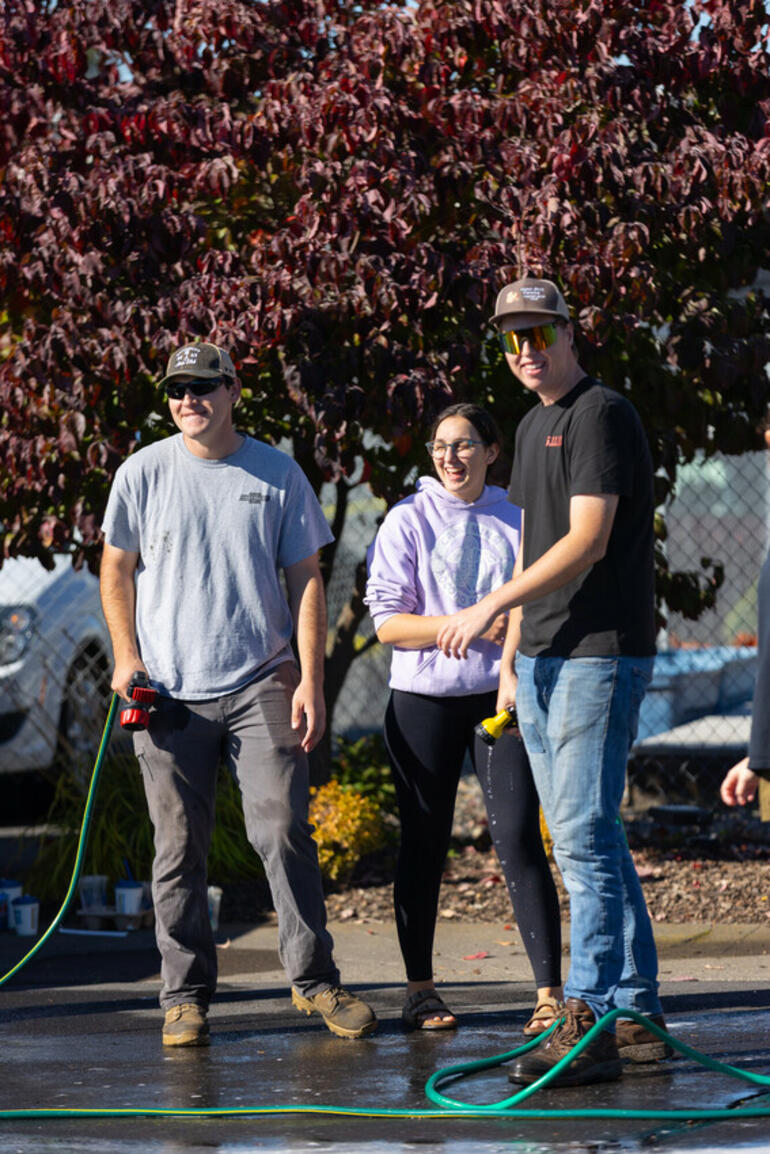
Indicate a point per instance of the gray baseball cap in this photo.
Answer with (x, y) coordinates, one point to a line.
(530, 295)
(200, 360)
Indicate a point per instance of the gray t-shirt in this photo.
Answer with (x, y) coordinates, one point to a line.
(212, 536)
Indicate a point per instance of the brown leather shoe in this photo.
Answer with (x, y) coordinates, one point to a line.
(344, 1013)
(635, 1044)
(186, 1025)
(599, 1062)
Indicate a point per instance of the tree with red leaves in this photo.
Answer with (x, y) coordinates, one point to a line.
(335, 193)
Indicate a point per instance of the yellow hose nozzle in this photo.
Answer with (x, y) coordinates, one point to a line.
(492, 728)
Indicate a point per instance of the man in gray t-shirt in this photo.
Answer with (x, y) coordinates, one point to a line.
(198, 531)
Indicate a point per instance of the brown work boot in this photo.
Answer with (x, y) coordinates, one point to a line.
(344, 1013)
(599, 1062)
(186, 1025)
(636, 1044)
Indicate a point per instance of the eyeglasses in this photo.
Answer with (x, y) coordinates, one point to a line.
(463, 448)
(540, 337)
(195, 388)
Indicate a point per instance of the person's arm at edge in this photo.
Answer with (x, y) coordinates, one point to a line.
(740, 784)
(585, 543)
(118, 595)
(307, 602)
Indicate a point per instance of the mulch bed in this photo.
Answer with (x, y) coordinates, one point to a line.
(713, 872)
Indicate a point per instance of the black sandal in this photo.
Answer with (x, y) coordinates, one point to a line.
(423, 1005)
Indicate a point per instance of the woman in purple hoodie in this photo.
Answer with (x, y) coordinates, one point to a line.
(436, 552)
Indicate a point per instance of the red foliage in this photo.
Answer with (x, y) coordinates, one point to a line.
(335, 193)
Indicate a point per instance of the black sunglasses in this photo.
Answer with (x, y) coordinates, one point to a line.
(194, 388)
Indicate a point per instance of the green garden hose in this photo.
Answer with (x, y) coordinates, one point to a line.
(81, 843)
(508, 1108)
(509, 1104)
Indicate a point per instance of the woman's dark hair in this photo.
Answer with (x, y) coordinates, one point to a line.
(483, 423)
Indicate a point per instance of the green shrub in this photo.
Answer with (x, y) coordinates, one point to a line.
(121, 831)
(348, 826)
(363, 765)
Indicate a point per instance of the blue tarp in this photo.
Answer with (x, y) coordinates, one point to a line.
(689, 683)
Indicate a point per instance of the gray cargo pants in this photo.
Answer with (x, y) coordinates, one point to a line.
(250, 731)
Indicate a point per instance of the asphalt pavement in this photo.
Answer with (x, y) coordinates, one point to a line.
(80, 1029)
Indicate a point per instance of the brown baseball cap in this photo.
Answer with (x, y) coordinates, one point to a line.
(200, 360)
(530, 295)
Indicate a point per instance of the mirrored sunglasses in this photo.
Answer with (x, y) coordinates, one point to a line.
(540, 337)
(200, 388)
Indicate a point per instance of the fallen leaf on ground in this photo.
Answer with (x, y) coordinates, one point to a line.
(476, 957)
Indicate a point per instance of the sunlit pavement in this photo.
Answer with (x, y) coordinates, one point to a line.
(80, 1027)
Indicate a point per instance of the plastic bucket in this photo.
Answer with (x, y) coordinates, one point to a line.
(26, 911)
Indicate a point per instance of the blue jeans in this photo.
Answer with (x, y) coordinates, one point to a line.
(578, 717)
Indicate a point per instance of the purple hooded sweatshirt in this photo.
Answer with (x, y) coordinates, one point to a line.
(435, 554)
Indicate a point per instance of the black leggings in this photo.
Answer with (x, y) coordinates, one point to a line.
(427, 738)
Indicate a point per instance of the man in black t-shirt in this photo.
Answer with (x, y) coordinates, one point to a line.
(582, 636)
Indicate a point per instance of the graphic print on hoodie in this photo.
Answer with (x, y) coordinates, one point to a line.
(435, 554)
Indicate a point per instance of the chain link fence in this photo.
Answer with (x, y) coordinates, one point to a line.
(360, 708)
(695, 718)
(55, 652)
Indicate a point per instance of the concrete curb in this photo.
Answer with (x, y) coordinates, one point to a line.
(368, 953)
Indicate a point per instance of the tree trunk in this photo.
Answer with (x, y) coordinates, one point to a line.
(343, 654)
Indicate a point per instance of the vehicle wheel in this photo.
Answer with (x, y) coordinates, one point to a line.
(27, 797)
(84, 708)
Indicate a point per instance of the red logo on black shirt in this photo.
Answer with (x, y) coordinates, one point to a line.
(553, 441)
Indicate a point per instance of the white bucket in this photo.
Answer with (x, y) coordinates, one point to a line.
(128, 897)
(9, 891)
(93, 891)
(26, 911)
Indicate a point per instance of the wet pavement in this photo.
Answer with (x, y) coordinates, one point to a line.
(80, 1028)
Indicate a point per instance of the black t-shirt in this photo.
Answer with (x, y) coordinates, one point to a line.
(589, 442)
